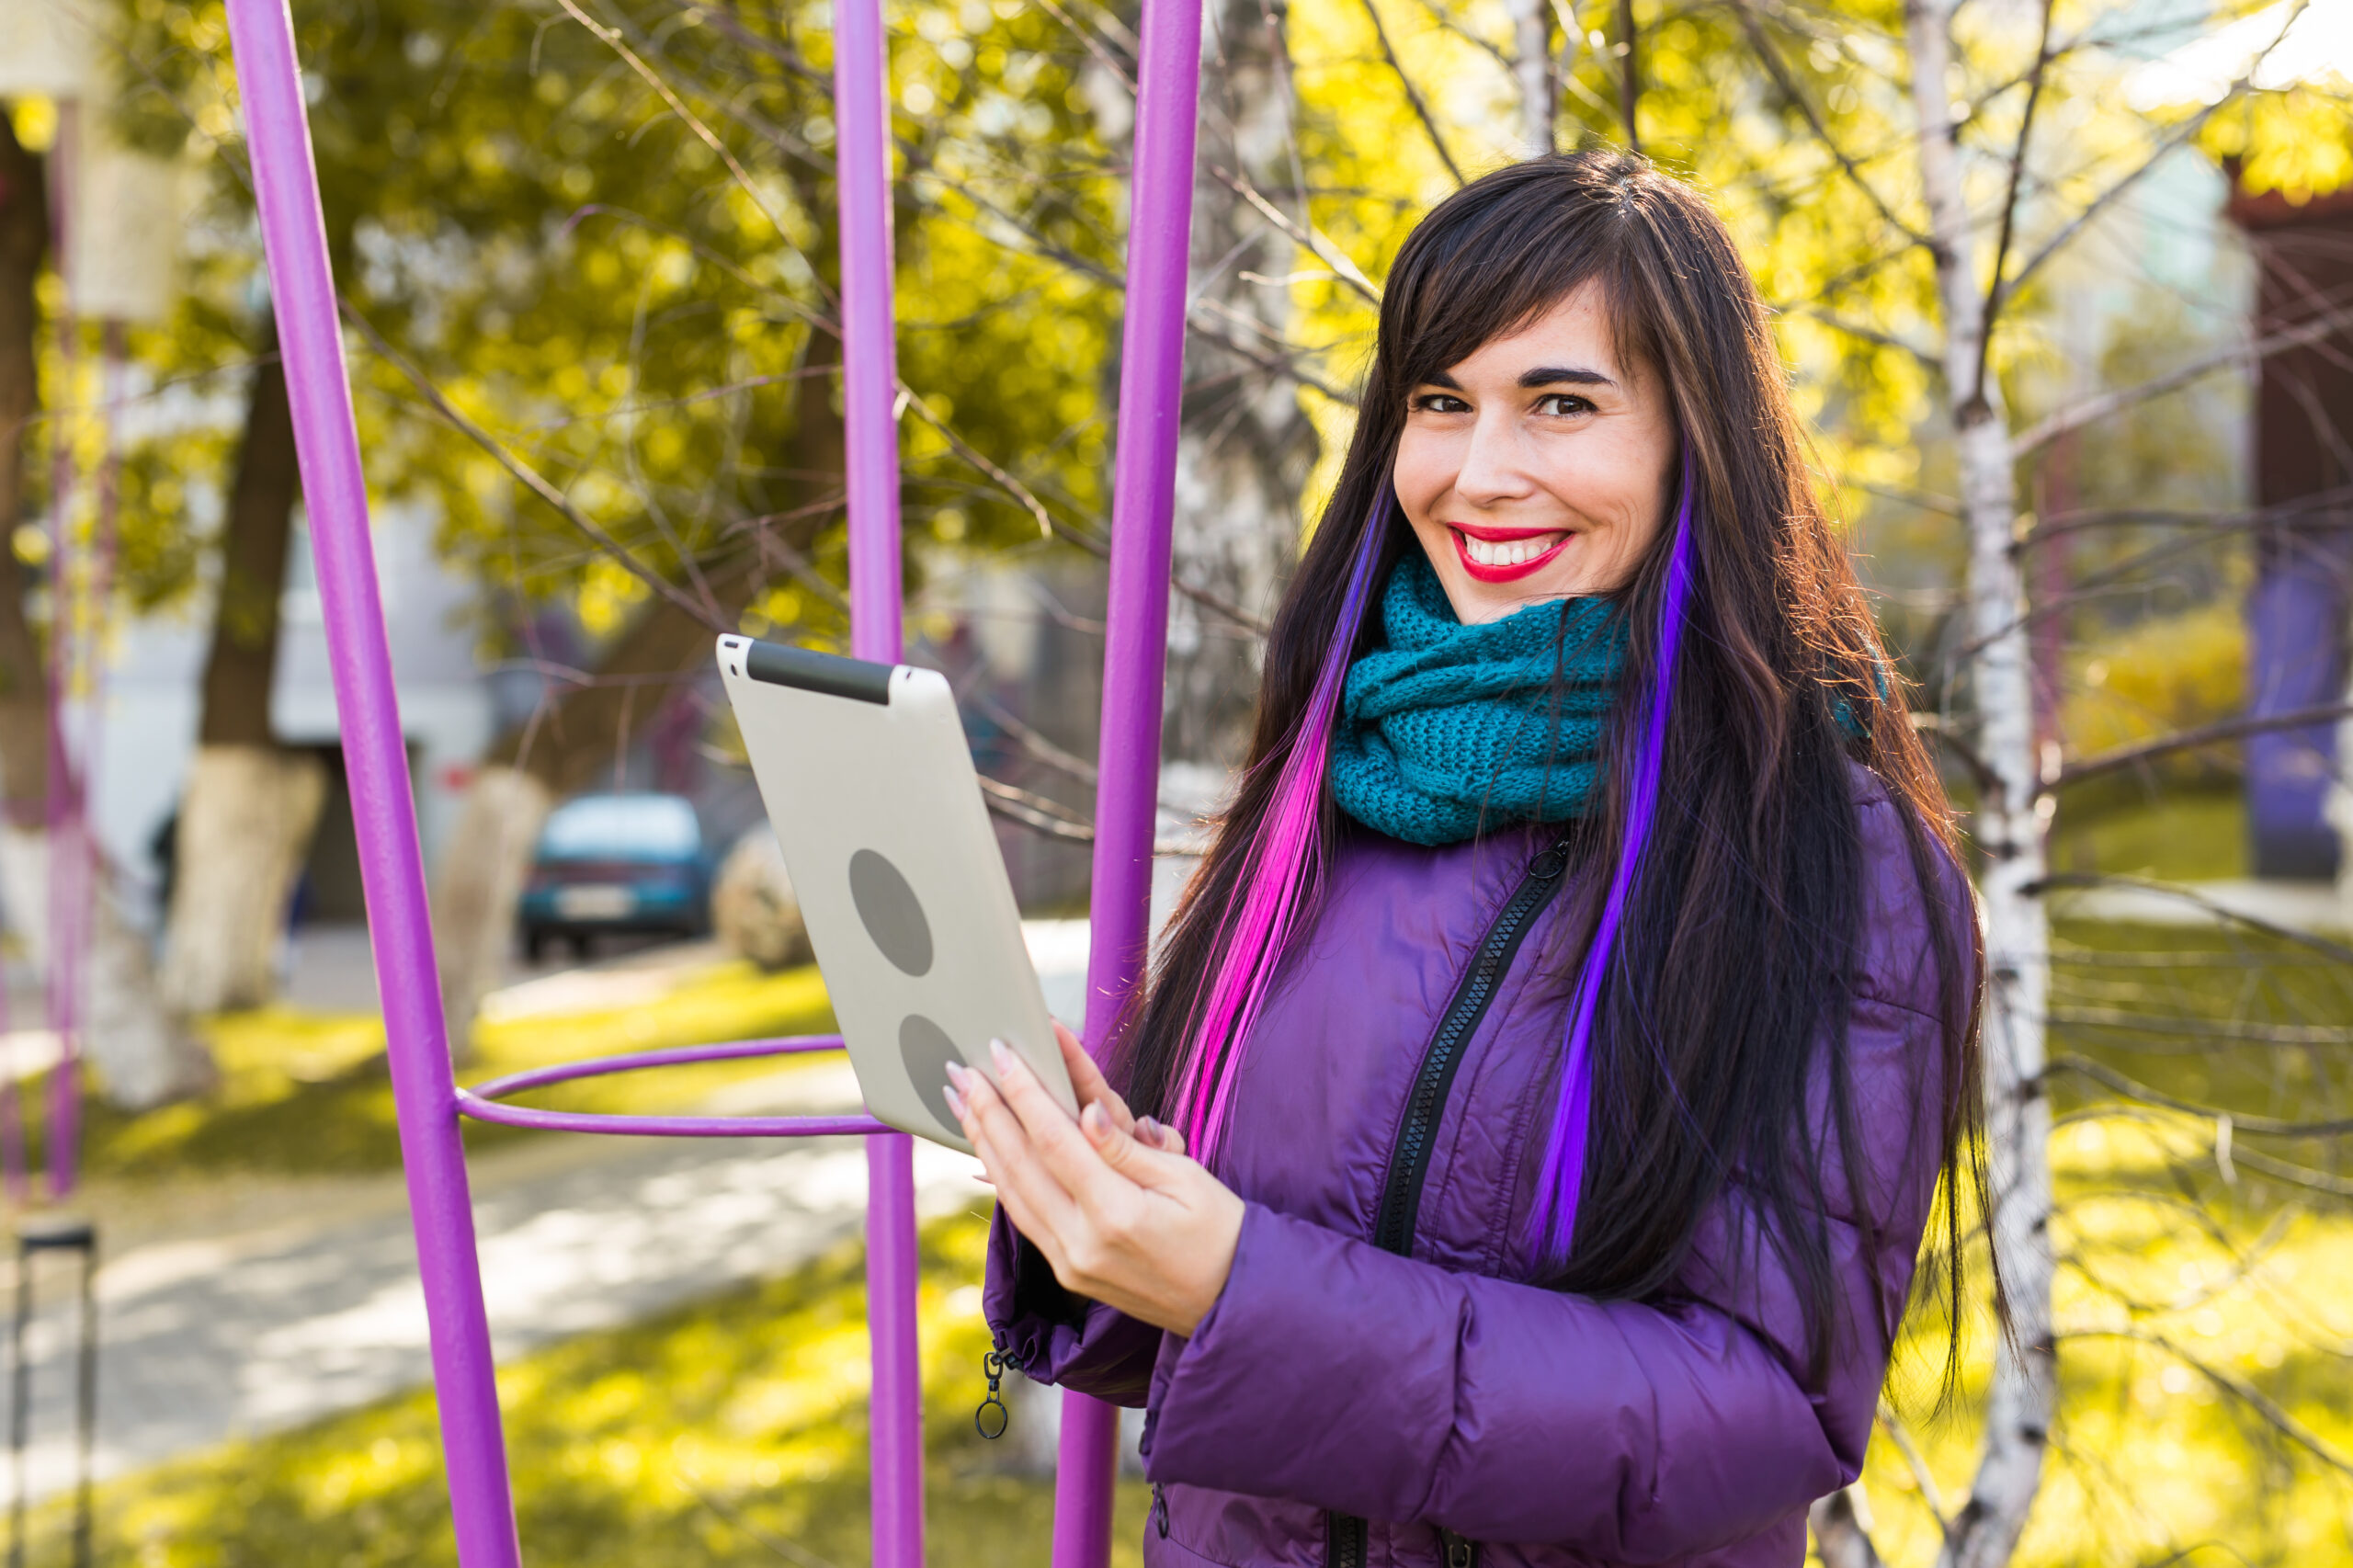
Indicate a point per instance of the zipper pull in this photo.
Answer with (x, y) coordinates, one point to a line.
(1459, 1553)
(1159, 1510)
(992, 1427)
(1550, 863)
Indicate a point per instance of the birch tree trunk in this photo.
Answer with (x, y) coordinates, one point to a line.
(1246, 447)
(1532, 69)
(2009, 828)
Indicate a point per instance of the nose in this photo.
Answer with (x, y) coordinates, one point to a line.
(1494, 472)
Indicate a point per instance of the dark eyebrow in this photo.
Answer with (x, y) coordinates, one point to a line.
(1558, 375)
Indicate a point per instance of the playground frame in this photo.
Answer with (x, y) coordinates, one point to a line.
(428, 1099)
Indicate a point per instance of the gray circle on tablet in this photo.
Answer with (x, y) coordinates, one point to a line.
(893, 919)
(925, 1048)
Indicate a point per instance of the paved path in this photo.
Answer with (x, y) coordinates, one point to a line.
(260, 1328)
(255, 1309)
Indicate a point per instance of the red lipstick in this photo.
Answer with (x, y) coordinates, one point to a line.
(1481, 572)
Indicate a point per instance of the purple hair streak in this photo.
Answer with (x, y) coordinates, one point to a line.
(1282, 876)
(1555, 1220)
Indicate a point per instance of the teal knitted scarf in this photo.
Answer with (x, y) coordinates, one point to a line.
(1446, 727)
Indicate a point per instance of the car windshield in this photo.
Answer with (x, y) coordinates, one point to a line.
(621, 827)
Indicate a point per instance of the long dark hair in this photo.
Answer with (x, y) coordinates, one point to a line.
(1719, 1011)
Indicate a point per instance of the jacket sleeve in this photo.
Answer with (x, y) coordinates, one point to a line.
(1055, 1336)
(1337, 1374)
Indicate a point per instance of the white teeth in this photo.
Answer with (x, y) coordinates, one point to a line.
(1506, 552)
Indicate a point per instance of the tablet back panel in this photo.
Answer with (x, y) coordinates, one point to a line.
(869, 784)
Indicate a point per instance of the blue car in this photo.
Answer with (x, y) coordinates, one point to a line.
(617, 864)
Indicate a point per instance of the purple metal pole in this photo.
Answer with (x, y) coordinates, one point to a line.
(392, 868)
(1143, 501)
(870, 437)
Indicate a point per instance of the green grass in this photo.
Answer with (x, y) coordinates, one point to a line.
(2182, 836)
(700, 1440)
(306, 1093)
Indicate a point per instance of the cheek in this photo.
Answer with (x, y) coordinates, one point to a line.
(1425, 471)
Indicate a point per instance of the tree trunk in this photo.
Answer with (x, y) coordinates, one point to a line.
(141, 1058)
(248, 809)
(24, 697)
(570, 743)
(1246, 447)
(478, 879)
(1532, 69)
(2008, 829)
(246, 817)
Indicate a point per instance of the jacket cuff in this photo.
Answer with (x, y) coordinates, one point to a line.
(1055, 1336)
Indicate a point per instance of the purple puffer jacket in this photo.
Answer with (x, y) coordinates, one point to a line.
(1334, 1380)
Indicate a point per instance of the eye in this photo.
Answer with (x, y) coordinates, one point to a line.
(1564, 405)
(1441, 403)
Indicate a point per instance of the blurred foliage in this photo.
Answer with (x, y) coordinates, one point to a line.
(732, 1431)
(305, 1093)
(2158, 676)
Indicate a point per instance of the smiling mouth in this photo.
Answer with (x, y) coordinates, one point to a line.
(1503, 555)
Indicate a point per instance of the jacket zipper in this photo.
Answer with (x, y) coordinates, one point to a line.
(1346, 1538)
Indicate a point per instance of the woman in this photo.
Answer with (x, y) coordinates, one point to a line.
(1573, 1015)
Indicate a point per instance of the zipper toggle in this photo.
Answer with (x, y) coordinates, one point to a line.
(994, 1365)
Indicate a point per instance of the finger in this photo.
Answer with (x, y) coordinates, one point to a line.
(1039, 1209)
(1141, 1163)
(1087, 1080)
(1013, 1154)
(1160, 1135)
(1057, 1143)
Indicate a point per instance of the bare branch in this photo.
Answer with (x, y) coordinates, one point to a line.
(2246, 1394)
(1838, 1533)
(2180, 136)
(1050, 525)
(1997, 292)
(1838, 322)
(2337, 952)
(705, 614)
(1922, 1476)
(1032, 811)
(2090, 411)
(1413, 94)
(2263, 1125)
(1315, 240)
(1948, 738)
(2119, 757)
(1778, 70)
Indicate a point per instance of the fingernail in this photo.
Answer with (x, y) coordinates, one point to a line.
(1148, 1129)
(957, 1072)
(956, 1101)
(1002, 1054)
(1096, 1120)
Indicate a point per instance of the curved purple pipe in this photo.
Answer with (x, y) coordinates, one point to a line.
(481, 1101)
(1554, 1218)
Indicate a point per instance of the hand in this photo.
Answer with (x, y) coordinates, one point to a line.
(1121, 1214)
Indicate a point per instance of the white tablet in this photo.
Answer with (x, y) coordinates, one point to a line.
(868, 780)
